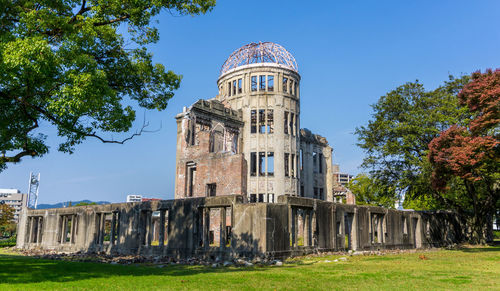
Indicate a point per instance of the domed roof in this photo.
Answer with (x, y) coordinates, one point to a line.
(261, 52)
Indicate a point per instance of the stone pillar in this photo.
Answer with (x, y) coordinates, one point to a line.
(222, 227)
(101, 228)
(206, 227)
(162, 228)
(39, 234)
(113, 229)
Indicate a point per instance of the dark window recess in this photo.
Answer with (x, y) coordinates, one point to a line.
(320, 163)
(287, 157)
(262, 83)
(191, 177)
(286, 122)
(302, 194)
(240, 88)
(285, 84)
(234, 147)
(261, 197)
(270, 83)
(270, 163)
(315, 192)
(321, 194)
(262, 165)
(253, 164)
(270, 121)
(254, 83)
(229, 88)
(315, 162)
(216, 141)
(293, 166)
(295, 88)
(253, 121)
(262, 121)
(211, 189)
(291, 87)
(191, 134)
(253, 198)
(292, 116)
(211, 237)
(234, 87)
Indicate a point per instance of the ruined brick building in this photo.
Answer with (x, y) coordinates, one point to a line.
(249, 182)
(247, 140)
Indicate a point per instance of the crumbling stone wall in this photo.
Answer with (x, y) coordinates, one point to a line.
(209, 162)
(227, 226)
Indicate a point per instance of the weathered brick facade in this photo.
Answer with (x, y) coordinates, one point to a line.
(208, 159)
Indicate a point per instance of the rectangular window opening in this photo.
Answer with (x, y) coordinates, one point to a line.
(254, 83)
(270, 198)
(261, 198)
(211, 189)
(155, 228)
(191, 178)
(292, 117)
(234, 87)
(108, 218)
(315, 162)
(262, 83)
(240, 88)
(253, 198)
(270, 121)
(262, 165)
(270, 83)
(293, 166)
(262, 121)
(285, 84)
(215, 226)
(165, 228)
(229, 88)
(253, 164)
(270, 163)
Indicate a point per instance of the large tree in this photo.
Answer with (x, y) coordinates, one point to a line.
(368, 191)
(396, 140)
(67, 64)
(6, 215)
(470, 155)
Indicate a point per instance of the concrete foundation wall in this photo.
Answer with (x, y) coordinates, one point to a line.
(226, 226)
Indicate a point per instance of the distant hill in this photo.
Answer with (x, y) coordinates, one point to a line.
(65, 204)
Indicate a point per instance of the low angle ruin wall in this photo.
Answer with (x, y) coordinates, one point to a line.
(226, 226)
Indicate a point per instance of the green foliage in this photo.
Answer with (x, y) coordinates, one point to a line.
(6, 215)
(85, 203)
(9, 242)
(471, 154)
(65, 63)
(396, 140)
(368, 191)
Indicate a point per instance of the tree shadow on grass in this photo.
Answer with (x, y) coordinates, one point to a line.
(22, 270)
(479, 249)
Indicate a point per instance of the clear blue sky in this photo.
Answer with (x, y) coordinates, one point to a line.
(349, 54)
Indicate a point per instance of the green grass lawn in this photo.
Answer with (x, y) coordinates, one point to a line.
(466, 269)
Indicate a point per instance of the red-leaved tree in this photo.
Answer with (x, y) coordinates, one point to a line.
(471, 155)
